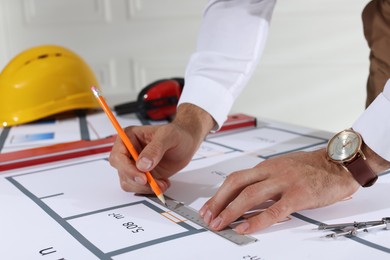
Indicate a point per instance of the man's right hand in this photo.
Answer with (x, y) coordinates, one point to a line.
(163, 150)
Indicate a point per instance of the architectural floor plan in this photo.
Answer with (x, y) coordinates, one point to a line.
(76, 209)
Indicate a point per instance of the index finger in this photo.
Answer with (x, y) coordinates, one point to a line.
(121, 160)
(226, 197)
(251, 196)
(272, 215)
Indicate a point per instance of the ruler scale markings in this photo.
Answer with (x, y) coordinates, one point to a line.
(192, 215)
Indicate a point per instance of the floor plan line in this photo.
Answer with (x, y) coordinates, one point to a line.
(155, 241)
(65, 224)
(69, 228)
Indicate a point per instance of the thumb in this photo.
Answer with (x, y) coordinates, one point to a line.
(150, 156)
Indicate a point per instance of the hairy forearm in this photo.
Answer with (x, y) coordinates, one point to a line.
(194, 120)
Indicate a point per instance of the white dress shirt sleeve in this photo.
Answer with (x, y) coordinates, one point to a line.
(374, 124)
(230, 42)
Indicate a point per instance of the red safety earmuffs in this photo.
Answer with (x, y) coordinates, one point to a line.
(157, 101)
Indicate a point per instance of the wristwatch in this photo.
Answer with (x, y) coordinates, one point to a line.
(344, 148)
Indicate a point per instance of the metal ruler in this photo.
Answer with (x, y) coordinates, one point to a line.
(192, 215)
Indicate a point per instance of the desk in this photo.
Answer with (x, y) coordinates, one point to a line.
(76, 210)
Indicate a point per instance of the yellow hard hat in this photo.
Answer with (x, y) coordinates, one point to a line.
(43, 81)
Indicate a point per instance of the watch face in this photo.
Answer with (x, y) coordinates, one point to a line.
(344, 146)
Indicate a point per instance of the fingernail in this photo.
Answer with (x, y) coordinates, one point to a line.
(144, 164)
(207, 217)
(139, 180)
(202, 211)
(242, 228)
(162, 184)
(215, 223)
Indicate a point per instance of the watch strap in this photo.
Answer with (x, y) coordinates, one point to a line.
(362, 173)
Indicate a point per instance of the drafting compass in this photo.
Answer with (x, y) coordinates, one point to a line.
(355, 228)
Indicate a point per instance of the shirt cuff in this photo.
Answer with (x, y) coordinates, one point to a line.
(210, 96)
(374, 124)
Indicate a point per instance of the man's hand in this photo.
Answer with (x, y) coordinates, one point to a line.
(296, 181)
(164, 150)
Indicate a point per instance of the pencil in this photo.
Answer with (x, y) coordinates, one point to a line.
(127, 142)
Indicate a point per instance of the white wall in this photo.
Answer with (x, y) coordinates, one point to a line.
(315, 65)
(313, 71)
(128, 43)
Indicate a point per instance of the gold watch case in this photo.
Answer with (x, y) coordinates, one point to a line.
(344, 146)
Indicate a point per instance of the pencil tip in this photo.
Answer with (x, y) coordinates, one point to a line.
(162, 199)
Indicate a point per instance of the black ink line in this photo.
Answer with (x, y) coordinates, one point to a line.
(3, 136)
(307, 219)
(161, 211)
(144, 202)
(293, 132)
(84, 132)
(154, 242)
(370, 244)
(226, 146)
(322, 141)
(50, 196)
(59, 167)
(101, 210)
(293, 150)
(85, 242)
(206, 156)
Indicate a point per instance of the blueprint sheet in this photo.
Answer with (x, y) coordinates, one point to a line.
(76, 209)
(85, 126)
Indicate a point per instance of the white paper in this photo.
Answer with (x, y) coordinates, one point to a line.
(76, 210)
(62, 130)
